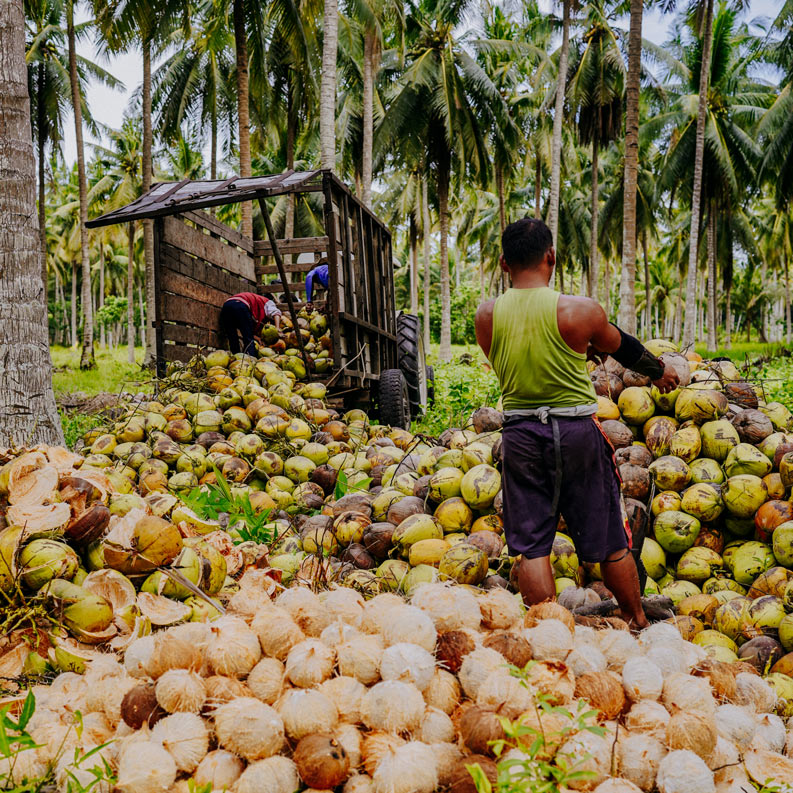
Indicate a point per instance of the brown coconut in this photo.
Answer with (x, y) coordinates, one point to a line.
(693, 731)
(619, 434)
(720, 676)
(461, 780)
(604, 691)
(479, 727)
(635, 481)
(451, 648)
(512, 646)
(548, 610)
(140, 707)
(553, 678)
(321, 761)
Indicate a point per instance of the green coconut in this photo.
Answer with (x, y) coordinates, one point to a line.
(564, 559)
(653, 558)
(670, 473)
(42, 560)
(771, 443)
(680, 590)
(731, 617)
(445, 483)
(81, 611)
(700, 405)
(766, 613)
(676, 531)
(746, 459)
(464, 563)
(480, 485)
(697, 564)
(414, 528)
(686, 443)
(391, 573)
(636, 405)
(703, 501)
(659, 436)
(786, 469)
(454, 515)
(782, 543)
(715, 585)
(750, 560)
(783, 686)
(706, 470)
(744, 494)
(785, 631)
(780, 416)
(420, 574)
(664, 402)
(718, 438)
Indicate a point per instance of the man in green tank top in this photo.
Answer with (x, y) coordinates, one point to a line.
(555, 458)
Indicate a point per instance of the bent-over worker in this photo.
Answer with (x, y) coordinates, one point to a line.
(555, 457)
(318, 276)
(245, 313)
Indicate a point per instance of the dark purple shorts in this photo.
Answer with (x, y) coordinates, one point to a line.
(589, 501)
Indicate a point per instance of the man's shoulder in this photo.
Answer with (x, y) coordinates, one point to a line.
(580, 305)
(485, 308)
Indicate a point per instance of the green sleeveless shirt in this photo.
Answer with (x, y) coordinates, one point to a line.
(534, 364)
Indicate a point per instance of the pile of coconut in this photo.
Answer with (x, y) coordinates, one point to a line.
(324, 692)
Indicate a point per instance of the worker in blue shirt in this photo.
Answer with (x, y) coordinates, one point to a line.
(319, 276)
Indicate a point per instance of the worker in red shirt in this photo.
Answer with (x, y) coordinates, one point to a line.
(245, 313)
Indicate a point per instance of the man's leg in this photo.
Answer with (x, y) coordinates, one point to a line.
(622, 579)
(228, 327)
(535, 580)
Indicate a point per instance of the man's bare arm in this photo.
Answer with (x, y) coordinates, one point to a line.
(483, 325)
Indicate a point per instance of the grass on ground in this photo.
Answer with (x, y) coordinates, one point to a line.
(112, 374)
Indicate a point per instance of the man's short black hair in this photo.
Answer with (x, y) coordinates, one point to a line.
(525, 242)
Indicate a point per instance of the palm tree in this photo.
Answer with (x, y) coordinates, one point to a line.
(28, 413)
(446, 104)
(597, 88)
(327, 91)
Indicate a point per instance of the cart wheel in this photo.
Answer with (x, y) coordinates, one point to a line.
(412, 361)
(430, 386)
(393, 399)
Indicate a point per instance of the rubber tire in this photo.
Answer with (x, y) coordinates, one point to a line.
(412, 361)
(393, 399)
(430, 386)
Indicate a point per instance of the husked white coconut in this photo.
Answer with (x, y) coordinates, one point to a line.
(685, 692)
(309, 663)
(668, 658)
(180, 690)
(638, 757)
(642, 679)
(359, 783)
(137, 657)
(374, 619)
(393, 706)
(233, 648)
(277, 632)
(616, 785)
(586, 751)
(112, 691)
(450, 607)
(407, 769)
(500, 609)
(145, 767)
(249, 728)
(661, 633)
(306, 711)
(185, 737)
(23, 766)
(617, 646)
(477, 665)
(736, 724)
(550, 640)
(683, 771)
(360, 656)
(273, 775)
(753, 691)
(724, 754)
(349, 736)
(338, 632)
(436, 727)
(443, 692)
(408, 624)
(266, 680)
(343, 603)
(346, 693)
(219, 769)
(586, 658)
(409, 663)
(505, 694)
(447, 758)
(585, 634)
(649, 716)
(771, 729)
(306, 609)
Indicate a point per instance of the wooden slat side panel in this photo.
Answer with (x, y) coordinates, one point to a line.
(292, 245)
(186, 334)
(178, 284)
(205, 220)
(208, 248)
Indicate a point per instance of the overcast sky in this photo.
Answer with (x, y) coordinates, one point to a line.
(108, 105)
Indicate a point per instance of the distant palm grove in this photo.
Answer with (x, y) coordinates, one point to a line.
(665, 172)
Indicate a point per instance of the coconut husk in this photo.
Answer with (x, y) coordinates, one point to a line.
(461, 780)
(693, 731)
(513, 647)
(548, 610)
(764, 767)
(604, 691)
(451, 648)
(478, 727)
(720, 675)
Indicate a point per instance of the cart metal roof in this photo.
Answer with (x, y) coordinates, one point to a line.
(169, 198)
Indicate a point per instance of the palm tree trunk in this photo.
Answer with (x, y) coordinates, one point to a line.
(646, 286)
(764, 306)
(131, 292)
(100, 295)
(213, 143)
(679, 313)
(142, 309)
(558, 118)
(87, 360)
(627, 312)
(502, 212)
(593, 224)
(414, 266)
(696, 197)
(711, 242)
(787, 301)
(28, 414)
(538, 189)
(607, 286)
(481, 271)
(445, 352)
(74, 304)
(327, 95)
(41, 112)
(243, 108)
(148, 225)
(702, 300)
(728, 317)
(369, 47)
(426, 236)
(291, 134)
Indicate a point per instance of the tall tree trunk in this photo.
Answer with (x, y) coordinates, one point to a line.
(28, 414)
(558, 114)
(627, 311)
(764, 306)
(243, 108)
(538, 189)
(728, 317)
(594, 268)
(291, 134)
(213, 143)
(679, 312)
(414, 266)
(131, 292)
(61, 303)
(426, 236)
(481, 271)
(711, 242)
(87, 359)
(41, 114)
(369, 56)
(445, 352)
(74, 304)
(702, 300)
(646, 286)
(696, 197)
(148, 225)
(607, 286)
(502, 209)
(787, 301)
(142, 309)
(327, 91)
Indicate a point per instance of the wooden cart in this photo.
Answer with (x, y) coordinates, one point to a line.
(199, 262)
